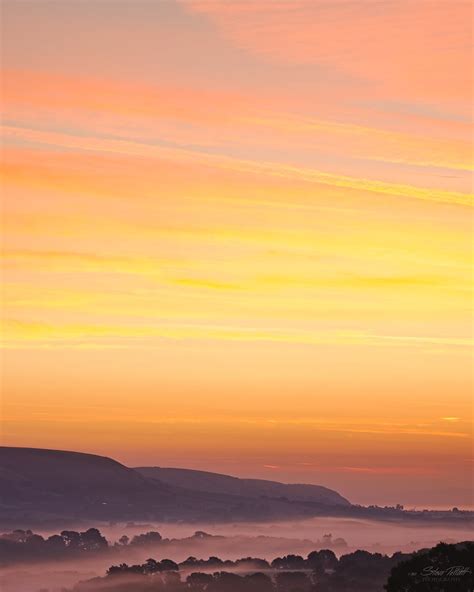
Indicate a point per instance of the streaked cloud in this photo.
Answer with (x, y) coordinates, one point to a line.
(16, 331)
(243, 223)
(273, 169)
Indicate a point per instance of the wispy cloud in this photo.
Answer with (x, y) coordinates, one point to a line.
(274, 169)
(18, 332)
(192, 117)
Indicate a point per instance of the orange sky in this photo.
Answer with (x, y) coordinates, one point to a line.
(237, 237)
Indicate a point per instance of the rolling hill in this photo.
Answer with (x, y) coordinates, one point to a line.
(252, 488)
(38, 485)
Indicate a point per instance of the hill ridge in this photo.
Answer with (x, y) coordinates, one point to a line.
(227, 484)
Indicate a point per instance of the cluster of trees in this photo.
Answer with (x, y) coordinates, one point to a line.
(141, 540)
(25, 545)
(445, 568)
(202, 582)
(321, 571)
(317, 561)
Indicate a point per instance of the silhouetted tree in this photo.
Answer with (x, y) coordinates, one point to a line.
(92, 540)
(226, 582)
(199, 581)
(292, 581)
(323, 561)
(444, 568)
(148, 538)
(71, 538)
(124, 540)
(189, 563)
(56, 543)
(168, 565)
(252, 563)
(258, 582)
(289, 562)
(151, 566)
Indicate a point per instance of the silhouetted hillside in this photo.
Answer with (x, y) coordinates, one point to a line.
(26, 472)
(39, 485)
(44, 483)
(63, 488)
(217, 483)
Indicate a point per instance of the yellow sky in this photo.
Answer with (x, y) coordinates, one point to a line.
(238, 237)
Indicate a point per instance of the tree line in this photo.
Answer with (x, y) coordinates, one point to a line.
(444, 568)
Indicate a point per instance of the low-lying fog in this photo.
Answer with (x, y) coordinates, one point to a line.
(264, 540)
(383, 537)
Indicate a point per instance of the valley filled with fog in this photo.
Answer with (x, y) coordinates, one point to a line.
(262, 540)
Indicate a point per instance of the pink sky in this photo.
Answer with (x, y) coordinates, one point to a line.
(237, 237)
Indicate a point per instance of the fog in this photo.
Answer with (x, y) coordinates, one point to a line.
(381, 536)
(263, 540)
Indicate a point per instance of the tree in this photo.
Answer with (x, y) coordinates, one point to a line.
(148, 538)
(168, 565)
(92, 540)
(115, 570)
(151, 566)
(199, 581)
(292, 581)
(190, 563)
(250, 563)
(226, 582)
(444, 568)
(323, 561)
(56, 543)
(258, 582)
(289, 562)
(71, 538)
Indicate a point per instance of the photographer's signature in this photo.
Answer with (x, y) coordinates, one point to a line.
(451, 573)
(454, 570)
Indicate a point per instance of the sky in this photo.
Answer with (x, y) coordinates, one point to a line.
(237, 237)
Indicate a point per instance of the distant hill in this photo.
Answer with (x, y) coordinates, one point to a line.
(38, 485)
(58, 483)
(53, 489)
(253, 488)
(30, 471)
